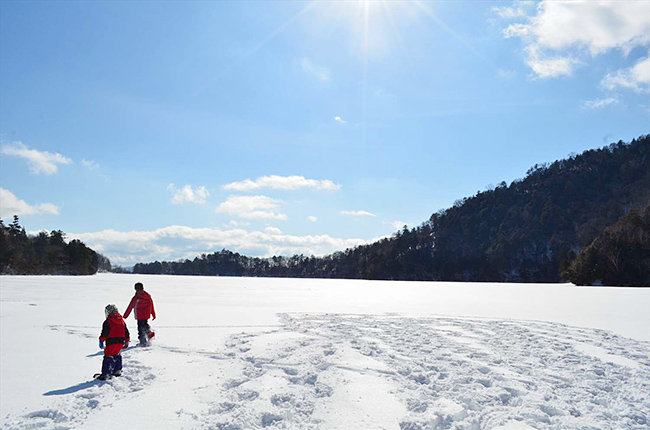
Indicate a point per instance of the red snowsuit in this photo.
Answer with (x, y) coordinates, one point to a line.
(143, 305)
(114, 333)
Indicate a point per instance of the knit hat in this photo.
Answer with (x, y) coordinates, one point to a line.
(110, 309)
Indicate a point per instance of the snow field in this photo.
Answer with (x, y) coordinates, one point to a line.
(417, 374)
(234, 354)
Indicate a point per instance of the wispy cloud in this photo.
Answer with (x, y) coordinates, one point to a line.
(599, 103)
(340, 120)
(357, 213)
(188, 194)
(507, 74)
(176, 242)
(89, 164)
(251, 207)
(314, 69)
(38, 161)
(636, 78)
(519, 9)
(548, 67)
(312, 218)
(275, 182)
(560, 35)
(11, 205)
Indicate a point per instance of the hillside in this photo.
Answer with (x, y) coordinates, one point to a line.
(620, 255)
(527, 231)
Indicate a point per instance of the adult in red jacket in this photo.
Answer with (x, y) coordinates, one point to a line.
(115, 334)
(142, 307)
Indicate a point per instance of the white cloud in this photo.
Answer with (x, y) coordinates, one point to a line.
(545, 67)
(357, 213)
(89, 164)
(175, 242)
(38, 161)
(312, 218)
(563, 34)
(276, 182)
(599, 103)
(636, 78)
(187, 194)
(398, 225)
(251, 207)
(519, 9)
(48, 208)
(551, 67)
(312, 68)
(598, 26)
(273, 230)
(340, 120)
(11, 205)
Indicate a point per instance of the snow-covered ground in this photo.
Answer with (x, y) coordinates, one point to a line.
(242, 353)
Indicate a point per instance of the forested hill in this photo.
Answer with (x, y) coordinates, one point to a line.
(45, 253)
(620, 255)
(529, 231)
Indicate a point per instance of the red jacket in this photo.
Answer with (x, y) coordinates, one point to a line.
(143, 305)
(114, 333)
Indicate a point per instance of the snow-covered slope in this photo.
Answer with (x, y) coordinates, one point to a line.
(239, 353)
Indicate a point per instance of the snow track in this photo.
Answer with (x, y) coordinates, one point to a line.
(348, 371)
(342, 371)
(78, 402)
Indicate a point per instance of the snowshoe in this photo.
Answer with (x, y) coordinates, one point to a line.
(100, 376)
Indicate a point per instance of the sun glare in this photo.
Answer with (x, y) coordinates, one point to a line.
(374, 25)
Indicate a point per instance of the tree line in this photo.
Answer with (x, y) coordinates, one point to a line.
(45, 253)
(545, 227)
(583, 219)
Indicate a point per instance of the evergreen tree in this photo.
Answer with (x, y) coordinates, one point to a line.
(44, 253)
(620, 255)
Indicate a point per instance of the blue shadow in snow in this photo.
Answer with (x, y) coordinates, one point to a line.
(73, 389)
(97, 354)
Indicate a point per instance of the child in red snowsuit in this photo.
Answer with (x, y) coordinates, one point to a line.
(116, 336)
(142, 307)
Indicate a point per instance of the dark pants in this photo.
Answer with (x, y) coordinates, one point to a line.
(143, 331)
(112, 365)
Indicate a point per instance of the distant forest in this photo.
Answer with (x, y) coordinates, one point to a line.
(584, 219)
(45, 253)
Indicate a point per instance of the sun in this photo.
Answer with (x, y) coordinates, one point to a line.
(372, 24)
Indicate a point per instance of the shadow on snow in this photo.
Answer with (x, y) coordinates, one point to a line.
(72, 389)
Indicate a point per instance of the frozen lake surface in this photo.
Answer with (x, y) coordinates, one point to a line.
(240, 353)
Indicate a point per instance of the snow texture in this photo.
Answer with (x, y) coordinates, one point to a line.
(238, 354)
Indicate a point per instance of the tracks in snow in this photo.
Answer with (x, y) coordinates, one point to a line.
(447, 373)
(74, 404)
(332, 371)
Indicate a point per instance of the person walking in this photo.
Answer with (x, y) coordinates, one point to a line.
(114, 337)
(142, 307)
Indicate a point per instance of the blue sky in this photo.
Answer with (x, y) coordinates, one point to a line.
(162, 130)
